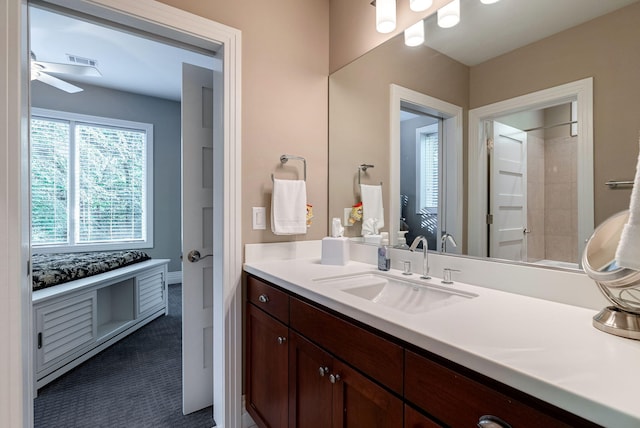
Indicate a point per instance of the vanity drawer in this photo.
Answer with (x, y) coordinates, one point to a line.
(268, 298)
(457, 400)
(370, 353)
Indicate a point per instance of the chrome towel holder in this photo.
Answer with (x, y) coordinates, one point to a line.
(363, 168)
(285, 158)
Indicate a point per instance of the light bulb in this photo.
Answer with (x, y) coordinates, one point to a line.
(414, 35)
(449, 15)
(489, 1)
(420, 5)
(385, 16)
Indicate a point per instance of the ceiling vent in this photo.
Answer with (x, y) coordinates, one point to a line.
(82, 61)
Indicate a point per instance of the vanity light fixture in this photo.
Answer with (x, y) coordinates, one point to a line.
(385, 16)
(420, 5)
(449, 15)
(489, 1)
(414, 35)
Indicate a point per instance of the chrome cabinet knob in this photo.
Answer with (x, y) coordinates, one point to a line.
(323, 370)
(263, 298)
(282, 340)
(334, 378)
(490, 421)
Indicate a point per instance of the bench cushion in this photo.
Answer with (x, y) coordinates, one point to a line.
(53, 269)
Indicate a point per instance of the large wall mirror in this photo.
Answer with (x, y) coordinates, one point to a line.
(500, 133)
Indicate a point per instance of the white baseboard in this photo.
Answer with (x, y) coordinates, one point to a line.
(174, 277)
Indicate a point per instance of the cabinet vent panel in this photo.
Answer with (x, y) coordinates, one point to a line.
(150, 292)
(65, 328)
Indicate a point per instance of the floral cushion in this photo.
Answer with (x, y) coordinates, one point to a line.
(53, 269)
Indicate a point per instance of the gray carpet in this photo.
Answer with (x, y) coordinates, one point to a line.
(135, 383)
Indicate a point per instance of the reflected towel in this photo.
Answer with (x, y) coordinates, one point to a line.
(289, 207)
(372, 207)
(628, 251)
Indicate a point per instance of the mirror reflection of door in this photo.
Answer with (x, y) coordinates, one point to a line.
(420, 186)
(508, 194)
(534, 206)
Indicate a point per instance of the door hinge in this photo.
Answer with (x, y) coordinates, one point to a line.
(489, 218)
(40, 340)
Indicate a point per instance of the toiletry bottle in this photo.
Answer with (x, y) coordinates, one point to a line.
(384, 258)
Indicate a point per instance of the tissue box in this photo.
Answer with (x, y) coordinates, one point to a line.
(335, 251)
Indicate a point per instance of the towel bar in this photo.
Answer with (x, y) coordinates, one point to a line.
(613, 184)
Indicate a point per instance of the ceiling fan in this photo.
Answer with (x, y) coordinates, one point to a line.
(40, 70)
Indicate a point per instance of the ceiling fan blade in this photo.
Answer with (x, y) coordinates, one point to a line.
(58, 83)
(73, 69)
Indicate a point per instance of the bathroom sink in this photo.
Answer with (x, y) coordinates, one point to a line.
(408, 296)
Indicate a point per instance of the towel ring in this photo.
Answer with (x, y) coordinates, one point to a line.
(285, 158)
(364, 167)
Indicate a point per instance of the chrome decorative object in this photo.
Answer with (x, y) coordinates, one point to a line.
(621, 286)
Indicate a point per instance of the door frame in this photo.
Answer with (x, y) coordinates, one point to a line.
(452, 193)
(580, 90)
(16, 393)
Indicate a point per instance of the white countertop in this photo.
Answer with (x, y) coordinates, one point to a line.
(549, 350)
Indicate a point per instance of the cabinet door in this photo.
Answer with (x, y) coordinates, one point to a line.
(63, 329)
(267, 369)
(359, 402)
(310, 391)
(415, 419)
(150, 291)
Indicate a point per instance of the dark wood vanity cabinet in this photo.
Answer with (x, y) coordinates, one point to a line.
(308, 367)
(267, 370)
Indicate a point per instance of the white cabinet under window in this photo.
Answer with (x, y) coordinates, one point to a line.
(88, 315)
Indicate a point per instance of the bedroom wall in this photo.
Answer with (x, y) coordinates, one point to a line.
(165, 117)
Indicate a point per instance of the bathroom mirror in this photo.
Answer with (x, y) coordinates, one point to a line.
(602, 47)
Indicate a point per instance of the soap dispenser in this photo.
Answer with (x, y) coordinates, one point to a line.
(384, 258)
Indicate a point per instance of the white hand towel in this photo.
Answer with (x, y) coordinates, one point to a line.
(372, 207)
(289, 207)
(628, 251)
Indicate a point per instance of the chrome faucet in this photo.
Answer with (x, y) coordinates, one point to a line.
(443, 241)
(425, 259)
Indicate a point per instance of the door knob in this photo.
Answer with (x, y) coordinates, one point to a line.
(194, 256)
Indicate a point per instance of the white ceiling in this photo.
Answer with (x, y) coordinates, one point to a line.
(141, 65)
(127, 61)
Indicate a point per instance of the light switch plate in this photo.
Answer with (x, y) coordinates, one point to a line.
(259, 216)
(345, 220)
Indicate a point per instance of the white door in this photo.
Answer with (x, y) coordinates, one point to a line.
(508, 193)
(197, 235)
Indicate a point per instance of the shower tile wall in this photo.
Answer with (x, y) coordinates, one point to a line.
(560, 199)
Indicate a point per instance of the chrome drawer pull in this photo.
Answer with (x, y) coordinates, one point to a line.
(334, 378)
(282, 340)
(490, 421)
(263, 298)
(323, 370)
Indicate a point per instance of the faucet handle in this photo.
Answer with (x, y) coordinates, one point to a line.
(446, 275)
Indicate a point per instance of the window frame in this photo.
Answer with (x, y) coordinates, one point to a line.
(72, 246)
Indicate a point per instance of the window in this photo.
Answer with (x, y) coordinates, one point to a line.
(428, 140)
(91, 182)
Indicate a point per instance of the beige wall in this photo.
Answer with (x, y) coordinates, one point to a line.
(285, 64)
(359, 113)
(353, 28)
(608, 48)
